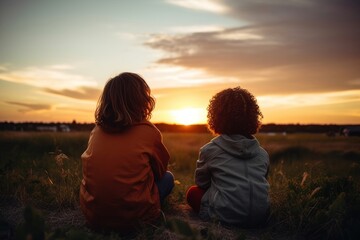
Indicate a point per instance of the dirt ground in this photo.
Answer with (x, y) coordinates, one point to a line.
(11, 214)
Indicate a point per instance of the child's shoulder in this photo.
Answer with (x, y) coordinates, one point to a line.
(139, 125)
(145, 124)
(147, 128)
(264, 153)
(210, 149)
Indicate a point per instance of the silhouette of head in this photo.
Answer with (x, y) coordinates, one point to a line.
(234, 111)
(125, 100)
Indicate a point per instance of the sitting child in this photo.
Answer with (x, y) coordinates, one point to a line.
(231, 172)
(124, 166)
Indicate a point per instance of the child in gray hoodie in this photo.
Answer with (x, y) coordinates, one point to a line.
(231, 172)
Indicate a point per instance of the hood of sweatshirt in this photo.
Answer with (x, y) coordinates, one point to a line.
(238, 145)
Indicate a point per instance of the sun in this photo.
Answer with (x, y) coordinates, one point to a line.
(188, 116)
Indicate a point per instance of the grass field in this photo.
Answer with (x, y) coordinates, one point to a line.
(314, 183)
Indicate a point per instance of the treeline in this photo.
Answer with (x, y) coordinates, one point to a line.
(303, 128)
(46, 126)
(330, 129)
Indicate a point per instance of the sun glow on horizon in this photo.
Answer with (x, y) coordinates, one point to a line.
(188, 116)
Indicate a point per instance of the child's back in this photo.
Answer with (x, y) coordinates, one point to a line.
(231, 171)
(237, 193)
(118, 174)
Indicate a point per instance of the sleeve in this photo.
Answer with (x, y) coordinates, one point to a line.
(267, 172)
(159, 158)
(202, 172)
(267, 165)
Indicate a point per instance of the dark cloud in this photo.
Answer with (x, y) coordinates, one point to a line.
(84, 93)
(285, 46)
(30, 107)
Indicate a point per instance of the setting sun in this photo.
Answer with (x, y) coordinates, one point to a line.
(188, 116)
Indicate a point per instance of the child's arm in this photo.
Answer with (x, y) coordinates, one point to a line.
(267, 172)
(202, 173)
(159, 159)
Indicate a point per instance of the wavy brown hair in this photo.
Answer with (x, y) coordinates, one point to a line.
(125, 100)
(234, 111)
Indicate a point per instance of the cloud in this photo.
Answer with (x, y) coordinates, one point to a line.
(285, 47)
(61, 67)
(30, 107)
(56, 76)
(126, 35)
(170, 76)
(304, 100)
(83, 93)
(204, 5)
(72, 109)
(196, 28)
(3, 68)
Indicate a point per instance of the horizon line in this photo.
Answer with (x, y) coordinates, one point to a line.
(165, 123)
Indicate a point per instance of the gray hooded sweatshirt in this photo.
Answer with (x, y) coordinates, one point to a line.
(233, 170)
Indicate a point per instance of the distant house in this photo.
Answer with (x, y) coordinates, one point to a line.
(351, 131)
(53, 128)
(46, 128)
(64, 128)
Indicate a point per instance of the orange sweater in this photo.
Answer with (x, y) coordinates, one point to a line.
(118, 189)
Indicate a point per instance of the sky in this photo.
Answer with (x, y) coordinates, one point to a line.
(300, 58)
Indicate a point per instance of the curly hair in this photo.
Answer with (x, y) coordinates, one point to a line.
(234, 111)
(125, 100)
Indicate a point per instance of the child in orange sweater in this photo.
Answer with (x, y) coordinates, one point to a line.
(125, 177)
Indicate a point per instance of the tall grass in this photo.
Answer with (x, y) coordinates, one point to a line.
(314, 179)
(43, 169)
